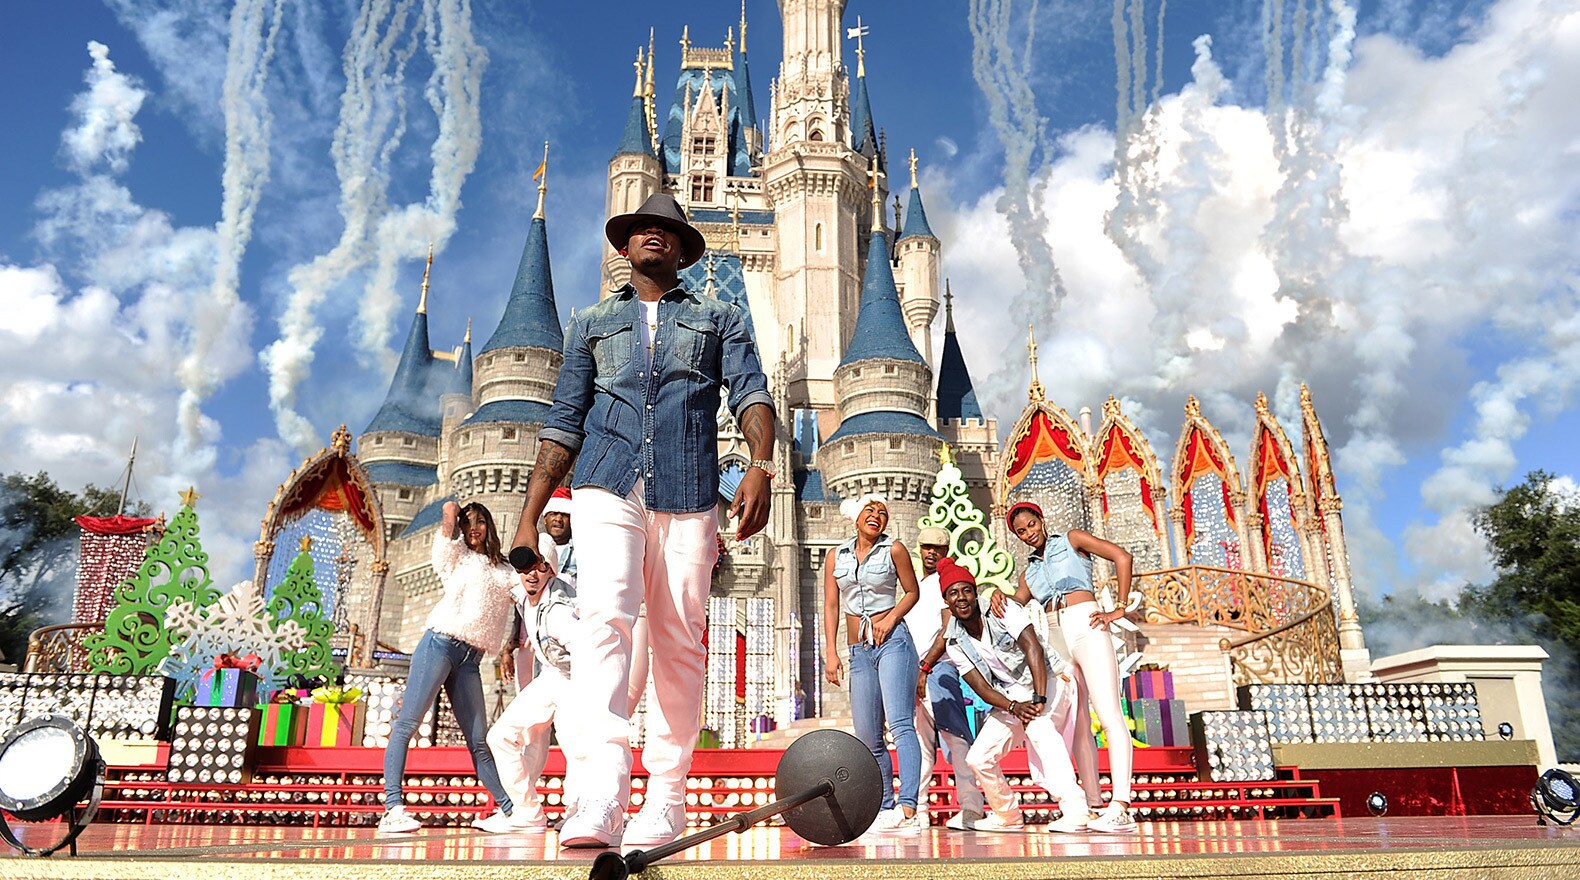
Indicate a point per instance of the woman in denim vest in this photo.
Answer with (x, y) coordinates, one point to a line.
(863, 580)
(1058, 575)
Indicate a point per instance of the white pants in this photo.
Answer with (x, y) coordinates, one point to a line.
(1095, 668)
(1050, 763)
(632, 556)
(966, 793)
(519, 740)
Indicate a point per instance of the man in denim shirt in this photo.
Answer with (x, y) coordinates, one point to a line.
(636, 409)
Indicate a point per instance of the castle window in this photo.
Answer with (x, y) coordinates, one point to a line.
(896, 445)
(510, 433)
(405, 494)
(817, 237)
(702, 144)
(889, 369)
(702, 188)
(814, 513)
(378, 441)
(520, 357)
(408, 441)
(855, 373)
(848, 450)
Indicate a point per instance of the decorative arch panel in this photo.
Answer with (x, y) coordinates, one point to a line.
(1130, 490)
(1279, 496)
(1207, 484)
(1046, 461)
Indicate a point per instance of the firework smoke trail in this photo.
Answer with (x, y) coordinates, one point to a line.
(1005, 82)
(247, 132)
(453, 92)
(372, 126)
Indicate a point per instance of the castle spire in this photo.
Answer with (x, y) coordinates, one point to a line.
(531, 318)
(543, 181)
(957, 396)
(637, 92)
(743, 27)
(863, 132)
(880, 324)
(857, 33)
(422, 302)
(915, 214)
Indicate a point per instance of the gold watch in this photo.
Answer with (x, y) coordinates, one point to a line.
(764, 465)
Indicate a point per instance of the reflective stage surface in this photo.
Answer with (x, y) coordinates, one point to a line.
(1490, 846)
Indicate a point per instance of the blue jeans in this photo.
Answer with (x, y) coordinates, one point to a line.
(446, 661)
(883, 687)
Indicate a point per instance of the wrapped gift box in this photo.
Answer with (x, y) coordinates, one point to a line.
(284, 724)
(227, 688)
(1150, 684)
(335, 724)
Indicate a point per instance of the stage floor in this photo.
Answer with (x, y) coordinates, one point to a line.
(1489, 846)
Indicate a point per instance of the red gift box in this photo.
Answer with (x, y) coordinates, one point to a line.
(335, 724)
(284, 724)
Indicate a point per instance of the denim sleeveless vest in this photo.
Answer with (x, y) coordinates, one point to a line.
(869, 587)
(1059, 570)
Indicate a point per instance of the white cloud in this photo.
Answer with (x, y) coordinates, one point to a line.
(1424, 209)
(105, 131)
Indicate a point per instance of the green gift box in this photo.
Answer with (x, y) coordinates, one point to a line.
(284, 724)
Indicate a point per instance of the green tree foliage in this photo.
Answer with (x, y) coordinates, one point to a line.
(1533, 532)
(38, 547)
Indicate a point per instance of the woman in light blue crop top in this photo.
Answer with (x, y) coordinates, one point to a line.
(1059, 577)
(870, 582)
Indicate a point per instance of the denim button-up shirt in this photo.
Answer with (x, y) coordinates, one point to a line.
(629, 420)
(1059, 570)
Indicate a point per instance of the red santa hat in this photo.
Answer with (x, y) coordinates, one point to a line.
(951, 573)
(559, 502)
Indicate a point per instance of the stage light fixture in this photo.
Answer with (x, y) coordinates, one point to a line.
(1377, 803)
(1556, 797)
(48, 765)
(1506, 730)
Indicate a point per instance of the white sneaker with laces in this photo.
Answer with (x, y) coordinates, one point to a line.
(656, 824)
(995, 822)
(965, 820)
(397, 821)
(907, 825)
(1113, 820)
(1069, 823)
(596, 825)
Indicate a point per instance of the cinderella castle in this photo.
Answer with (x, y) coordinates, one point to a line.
(802, 211)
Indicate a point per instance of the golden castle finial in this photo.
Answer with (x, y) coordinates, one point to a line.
(422, 303)
(685, 43)
(913, 168)
(340, 441)
(637, 92)
(729, 41)
(743, 27)
(1192, 407)
(857, 33)
(946, 455)
(1035, 392)
(467, 339)
(648, 102)
(1111, 407)
(1305, 396)
(543, 181)
(1261, 404)
(190, 496)
(307, 543)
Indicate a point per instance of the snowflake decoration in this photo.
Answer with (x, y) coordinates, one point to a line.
(238, 624)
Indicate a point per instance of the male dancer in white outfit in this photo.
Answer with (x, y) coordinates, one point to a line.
(558, 546)
(519, 740)
(1006, 665)
(940, 706)
(636, 408)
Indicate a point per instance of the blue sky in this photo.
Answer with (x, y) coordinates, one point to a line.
(1420, 277)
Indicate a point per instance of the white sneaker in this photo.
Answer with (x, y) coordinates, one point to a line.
(907, 825)
(994, 822)
(965, 820)
(1069, 823)
(498, 822)
(597, 824)
(656, 825)
(397, 821)
(1113, 820)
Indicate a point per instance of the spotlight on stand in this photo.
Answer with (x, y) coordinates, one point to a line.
(1556, 797)
(47, 767)
(1377, 803)
(1506, 730)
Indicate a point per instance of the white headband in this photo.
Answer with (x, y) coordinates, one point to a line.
(851, 508)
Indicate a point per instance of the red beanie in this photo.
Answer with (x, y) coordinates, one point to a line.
(1009, 518)
(950, 573)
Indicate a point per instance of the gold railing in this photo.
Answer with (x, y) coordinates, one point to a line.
(59, 648)
(1292, 636)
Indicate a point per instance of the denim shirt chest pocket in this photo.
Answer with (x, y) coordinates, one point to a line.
(697, 343)
(612, 341)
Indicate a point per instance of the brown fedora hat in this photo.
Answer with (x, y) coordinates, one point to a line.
(666, 210)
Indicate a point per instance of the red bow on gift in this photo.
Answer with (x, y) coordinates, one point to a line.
(247, 662)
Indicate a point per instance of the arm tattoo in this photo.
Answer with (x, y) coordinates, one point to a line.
(554, 462)
(757, 423)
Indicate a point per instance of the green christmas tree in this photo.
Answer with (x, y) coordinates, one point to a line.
(298, 598)
(971, 542)
(135, 639)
